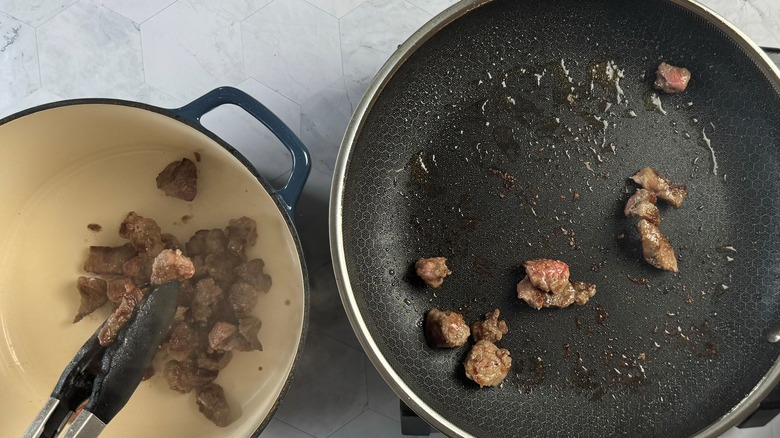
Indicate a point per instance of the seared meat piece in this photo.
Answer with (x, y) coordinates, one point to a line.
(206, 296)
(185, 376)
(220, 267)
(642, 205)
(179, 179)
(671, 79)
(93, 296)
(187, 292)
(242, 297)
(252, 272)
(117, 320)
(211, 403)
(181, 314)
(432, 270)
(118, 287)
(183, 341)
(138, 268)
(241, 233)
(652, 180)
(538, 298)
(656, 247)
(170, 241)
(548, 275)
(491, 329)
(487, 364)
(223, 336)
(200, 266)
(248, 327)
(171, 265)
(214, 360)
(583, 292)
(205, 242)
(108, 259)
(445, 329)
(144, 233)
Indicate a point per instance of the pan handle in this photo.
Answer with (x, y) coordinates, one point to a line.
(301, 160)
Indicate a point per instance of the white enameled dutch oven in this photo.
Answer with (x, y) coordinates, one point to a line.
(74, 163)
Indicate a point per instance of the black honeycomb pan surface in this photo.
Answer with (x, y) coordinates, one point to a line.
(503, 138)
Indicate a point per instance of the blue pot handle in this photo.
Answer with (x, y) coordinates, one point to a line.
(301, 161)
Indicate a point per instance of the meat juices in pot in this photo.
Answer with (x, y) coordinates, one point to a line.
(486, 364)
(432, 270)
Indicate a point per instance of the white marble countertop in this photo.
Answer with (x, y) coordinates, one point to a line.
(309, 61)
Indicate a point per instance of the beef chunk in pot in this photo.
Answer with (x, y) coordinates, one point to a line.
(171, 265)
(241, 233)
(223, 336)
(211, 403)
(652, 180)
(205, 242)
(206, 296)
(445, 329)
(548, 275)
(183, 341)
(491, 329)
(248, 327)
(93, 296)
(117, 320)
(220, 267)
(214, 360)
(656, 248)
(118, 287)
(252, 272)
(170, 241)
(243, 297)
(432, 270)
(144, 233)
(671, 79)
(187, 292)
(179, 180)
(184, 376)
(486, 364)
(108, 259)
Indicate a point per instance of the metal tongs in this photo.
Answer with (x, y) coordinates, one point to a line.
(106, 377)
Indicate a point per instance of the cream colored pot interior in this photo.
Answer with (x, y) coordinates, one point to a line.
(67, 167)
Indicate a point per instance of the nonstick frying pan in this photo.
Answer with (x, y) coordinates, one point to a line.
(504, 131)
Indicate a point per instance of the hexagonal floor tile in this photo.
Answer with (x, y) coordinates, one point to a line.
(279, 429)
(324, 120)
(369, 423)
(366, 48)
(337, 8)
(136, 10)
(19, 75)
(204, 52)
(252, 138)
(35, 12)
(89, 50)
(329, 387)
(292, 47)
(38, 97)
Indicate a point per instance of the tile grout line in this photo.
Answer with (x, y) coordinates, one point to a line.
(290, 425)
(157, 13)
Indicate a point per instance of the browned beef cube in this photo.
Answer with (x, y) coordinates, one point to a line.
(223, 336)
(138, 268)
(184, 376)
(486, 364)
(117, 320)
(243, 298)
(445, 329)
(200, 266)
(432, 270)
(179, 180)
(248, 327)
(241, 233)
(211, 403)
(183, 341)
(206, 296)
(205, 242)
(220, 267)
(93, 296)
(490, 329)
(143, 233)
(171, 242)
(214, 360)
(171, 265)
(187, 292)
(252, 272)
(108, 259)
(118, 287)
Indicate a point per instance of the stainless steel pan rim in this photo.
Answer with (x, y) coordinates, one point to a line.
(741, 411)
